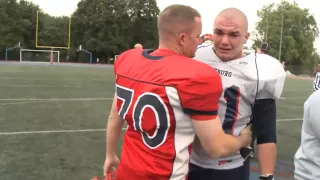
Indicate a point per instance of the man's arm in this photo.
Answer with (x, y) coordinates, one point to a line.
(114, 127)
(199, 99)
(214, 140)
(264, 124)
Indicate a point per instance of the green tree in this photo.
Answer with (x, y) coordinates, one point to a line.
(143, 17)
(107, 28)
(18, 20)
(54, 31)
(299, 33)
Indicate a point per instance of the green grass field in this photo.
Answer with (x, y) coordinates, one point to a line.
(42, 109)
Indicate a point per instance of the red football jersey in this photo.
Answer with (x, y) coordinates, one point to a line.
(158, 94)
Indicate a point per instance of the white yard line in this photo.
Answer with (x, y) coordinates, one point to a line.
(22, 102)
(29, 101)
(294, 90)
(56, 99)
(288, 120)
(53, 131)
(89, 130)
(53, 79)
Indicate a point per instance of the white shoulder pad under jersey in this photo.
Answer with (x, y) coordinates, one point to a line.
(205, 44)
(271, 77)
(264, 69)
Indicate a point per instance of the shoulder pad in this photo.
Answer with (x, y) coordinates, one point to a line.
(271, 77)
(204, 50)
(205, 44)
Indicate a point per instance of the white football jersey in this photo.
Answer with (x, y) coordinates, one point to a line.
(255, 76)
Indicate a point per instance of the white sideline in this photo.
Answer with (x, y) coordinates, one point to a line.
(89, 130)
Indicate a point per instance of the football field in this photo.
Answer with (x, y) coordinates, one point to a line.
(52, 120)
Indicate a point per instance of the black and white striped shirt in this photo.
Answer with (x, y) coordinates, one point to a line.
(316, 82)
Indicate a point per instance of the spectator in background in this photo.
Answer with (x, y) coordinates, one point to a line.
(283, 63)
(307, 157)
(316, 82)
(264, 48)
(138, 46)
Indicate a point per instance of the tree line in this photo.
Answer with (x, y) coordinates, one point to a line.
(103, 27)
(107, 28)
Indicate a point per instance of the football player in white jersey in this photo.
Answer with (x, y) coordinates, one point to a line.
(251, 86)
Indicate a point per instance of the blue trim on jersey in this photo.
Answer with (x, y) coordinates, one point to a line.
(146, 54)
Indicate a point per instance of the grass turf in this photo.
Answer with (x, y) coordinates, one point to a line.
(46, 98)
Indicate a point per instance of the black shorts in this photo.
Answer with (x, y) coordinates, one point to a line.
(199, 173)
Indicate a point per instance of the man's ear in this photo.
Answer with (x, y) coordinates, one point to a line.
(247, 36)
(182, 39)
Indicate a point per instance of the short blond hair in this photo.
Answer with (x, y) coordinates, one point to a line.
(176, 18)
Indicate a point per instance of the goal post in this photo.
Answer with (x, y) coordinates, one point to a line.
(17, 46)
(88, 52)
(52, 47)
(33, 55)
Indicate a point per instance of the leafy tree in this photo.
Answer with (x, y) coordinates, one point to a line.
(107, 27)
(299, 33)
(17, 21)
(143, 17)
(55, 31)
(103, 27)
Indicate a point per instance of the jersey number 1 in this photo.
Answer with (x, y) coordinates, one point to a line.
(231, 95)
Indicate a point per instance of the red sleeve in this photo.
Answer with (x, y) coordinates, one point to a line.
(199, 96)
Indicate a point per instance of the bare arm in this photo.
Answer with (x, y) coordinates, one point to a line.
(114, 127)
(216, 142)
(267, 155)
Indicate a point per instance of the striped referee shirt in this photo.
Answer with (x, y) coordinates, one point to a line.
(316, 82)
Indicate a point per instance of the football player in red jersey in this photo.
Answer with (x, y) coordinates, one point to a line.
(166, 98)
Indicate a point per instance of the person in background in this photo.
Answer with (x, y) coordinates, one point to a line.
(264, 48)
(316, 82)
(138, 46)
(307, 157)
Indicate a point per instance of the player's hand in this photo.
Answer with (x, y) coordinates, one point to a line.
(110, 164)
(246, 136)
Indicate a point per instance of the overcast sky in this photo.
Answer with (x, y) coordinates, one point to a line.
(207, 8)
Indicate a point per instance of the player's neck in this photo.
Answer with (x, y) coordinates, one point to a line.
(170, 48)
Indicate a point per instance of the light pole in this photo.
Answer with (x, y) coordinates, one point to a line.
(281, 36)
